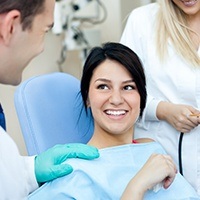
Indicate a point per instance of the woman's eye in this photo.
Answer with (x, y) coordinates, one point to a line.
(129, 87)
(102, 87)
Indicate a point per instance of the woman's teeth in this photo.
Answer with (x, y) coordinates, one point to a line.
(115, 113)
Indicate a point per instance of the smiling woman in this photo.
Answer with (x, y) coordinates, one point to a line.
(113, 88)
(116, 94)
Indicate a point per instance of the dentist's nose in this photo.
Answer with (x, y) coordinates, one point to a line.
(116, 98)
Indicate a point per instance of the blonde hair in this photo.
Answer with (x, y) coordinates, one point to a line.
(171, 23)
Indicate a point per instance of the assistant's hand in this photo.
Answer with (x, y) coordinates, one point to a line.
(178, 115)
(48, 164)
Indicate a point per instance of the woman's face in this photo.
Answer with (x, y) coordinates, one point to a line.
(189, 7)
(114, 100)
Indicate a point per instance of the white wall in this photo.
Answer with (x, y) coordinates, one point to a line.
(45, 63)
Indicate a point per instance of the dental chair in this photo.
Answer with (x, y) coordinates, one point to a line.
(50, 111)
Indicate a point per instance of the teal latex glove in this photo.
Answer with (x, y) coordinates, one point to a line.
(48, 164)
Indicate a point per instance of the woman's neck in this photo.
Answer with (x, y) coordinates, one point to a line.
(100, 140)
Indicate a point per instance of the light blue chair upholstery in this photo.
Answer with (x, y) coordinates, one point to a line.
(50, 111)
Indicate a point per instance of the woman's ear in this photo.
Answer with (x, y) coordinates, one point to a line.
(8, 24)
(88, 103)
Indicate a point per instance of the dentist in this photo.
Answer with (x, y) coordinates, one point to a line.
(23, 25)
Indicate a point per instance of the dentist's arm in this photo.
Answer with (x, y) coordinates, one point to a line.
(48, 165)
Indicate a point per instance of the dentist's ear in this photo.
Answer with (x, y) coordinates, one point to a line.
(10, 21)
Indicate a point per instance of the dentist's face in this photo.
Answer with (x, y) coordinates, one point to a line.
(189, 7)
(27, 44)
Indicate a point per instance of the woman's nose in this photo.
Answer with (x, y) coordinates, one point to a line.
(116, 98)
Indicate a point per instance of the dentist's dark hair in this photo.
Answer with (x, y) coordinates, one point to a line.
(28, 9)
(123, 55)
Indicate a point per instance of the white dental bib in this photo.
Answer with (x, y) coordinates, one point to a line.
(106, 177)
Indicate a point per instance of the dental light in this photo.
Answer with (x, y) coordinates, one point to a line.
(69, 17)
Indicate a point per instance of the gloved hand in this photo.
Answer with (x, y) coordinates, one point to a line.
(48, 164)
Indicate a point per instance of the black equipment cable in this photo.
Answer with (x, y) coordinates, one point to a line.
(180, 153)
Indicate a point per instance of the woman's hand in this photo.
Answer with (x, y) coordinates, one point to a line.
(158, 169)
(183, 118)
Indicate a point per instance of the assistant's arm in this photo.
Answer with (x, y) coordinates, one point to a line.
(182, 117)
(135, 36)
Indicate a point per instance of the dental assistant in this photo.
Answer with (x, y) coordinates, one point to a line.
(166, 37)
(23, 25)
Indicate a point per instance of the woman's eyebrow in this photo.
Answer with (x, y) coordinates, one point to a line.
(102, 79)
(129, 81)
(107, 80)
